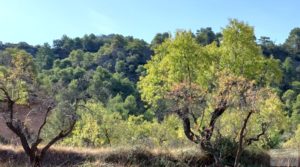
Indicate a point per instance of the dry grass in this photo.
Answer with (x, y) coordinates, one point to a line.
(138, 156)
(13, 156)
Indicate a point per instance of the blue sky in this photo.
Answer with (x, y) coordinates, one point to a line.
(39, 21)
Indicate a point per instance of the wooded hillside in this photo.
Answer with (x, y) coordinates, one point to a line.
(228, 92)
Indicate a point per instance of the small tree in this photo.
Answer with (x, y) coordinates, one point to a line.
(19, 128)
(18, 86)
(231, 94)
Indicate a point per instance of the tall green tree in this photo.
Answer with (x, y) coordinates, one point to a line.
(18, 72)
(206, 36)
(292, 44)
(159, 38)
(45, 57)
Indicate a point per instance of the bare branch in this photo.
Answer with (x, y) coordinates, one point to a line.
(257, 137)
(193, 116)
(214, 117)
(6, 94)
(60, 136)
(44, 121)
(38, 139)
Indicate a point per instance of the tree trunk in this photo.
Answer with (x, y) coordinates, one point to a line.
(241, 139)
(35, 161)
(204, 139)
(183, 114)
(238, 155)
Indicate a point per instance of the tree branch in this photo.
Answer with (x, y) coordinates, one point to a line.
(44, 121)
(187, 126)
(241, 138)
(61, 135)
(38, 139)
(9, 123)
(257, 137)
(22, 137)
(214, 117)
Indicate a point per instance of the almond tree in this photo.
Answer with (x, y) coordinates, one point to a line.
(206, 81)
(18, 86)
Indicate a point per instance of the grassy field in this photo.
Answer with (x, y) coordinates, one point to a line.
(67, 156)
(13, 156)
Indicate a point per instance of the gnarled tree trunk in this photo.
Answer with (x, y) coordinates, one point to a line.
(205, 137)
(35, 154)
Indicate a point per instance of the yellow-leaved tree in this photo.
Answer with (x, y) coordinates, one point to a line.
(206, 85)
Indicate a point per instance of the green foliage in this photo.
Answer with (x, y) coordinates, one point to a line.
(288, 66)
(159, 39)
(77, 57)
(292, 44)
(168, 133)
(294, 142)
(107, 70)
(95, 127)
(17, 74)
(289, 97)
(295, 117)
(124, 107)
(176, 60)
(243, 56)
(44, 57)
(235, 73)
(269, 113)
(123, 55)
(183, 60)
(206, 36)
(104, 85)
(98, 126)
(59, 120)
(289, 70)
(296, 86)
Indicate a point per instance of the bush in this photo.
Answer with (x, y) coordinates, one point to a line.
(98, 126)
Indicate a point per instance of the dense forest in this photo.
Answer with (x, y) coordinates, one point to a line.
(226, 92)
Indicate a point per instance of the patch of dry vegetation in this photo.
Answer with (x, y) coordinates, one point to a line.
(137, 156)
(13, 156)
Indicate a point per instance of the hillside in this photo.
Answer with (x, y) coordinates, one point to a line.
(185, 99)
